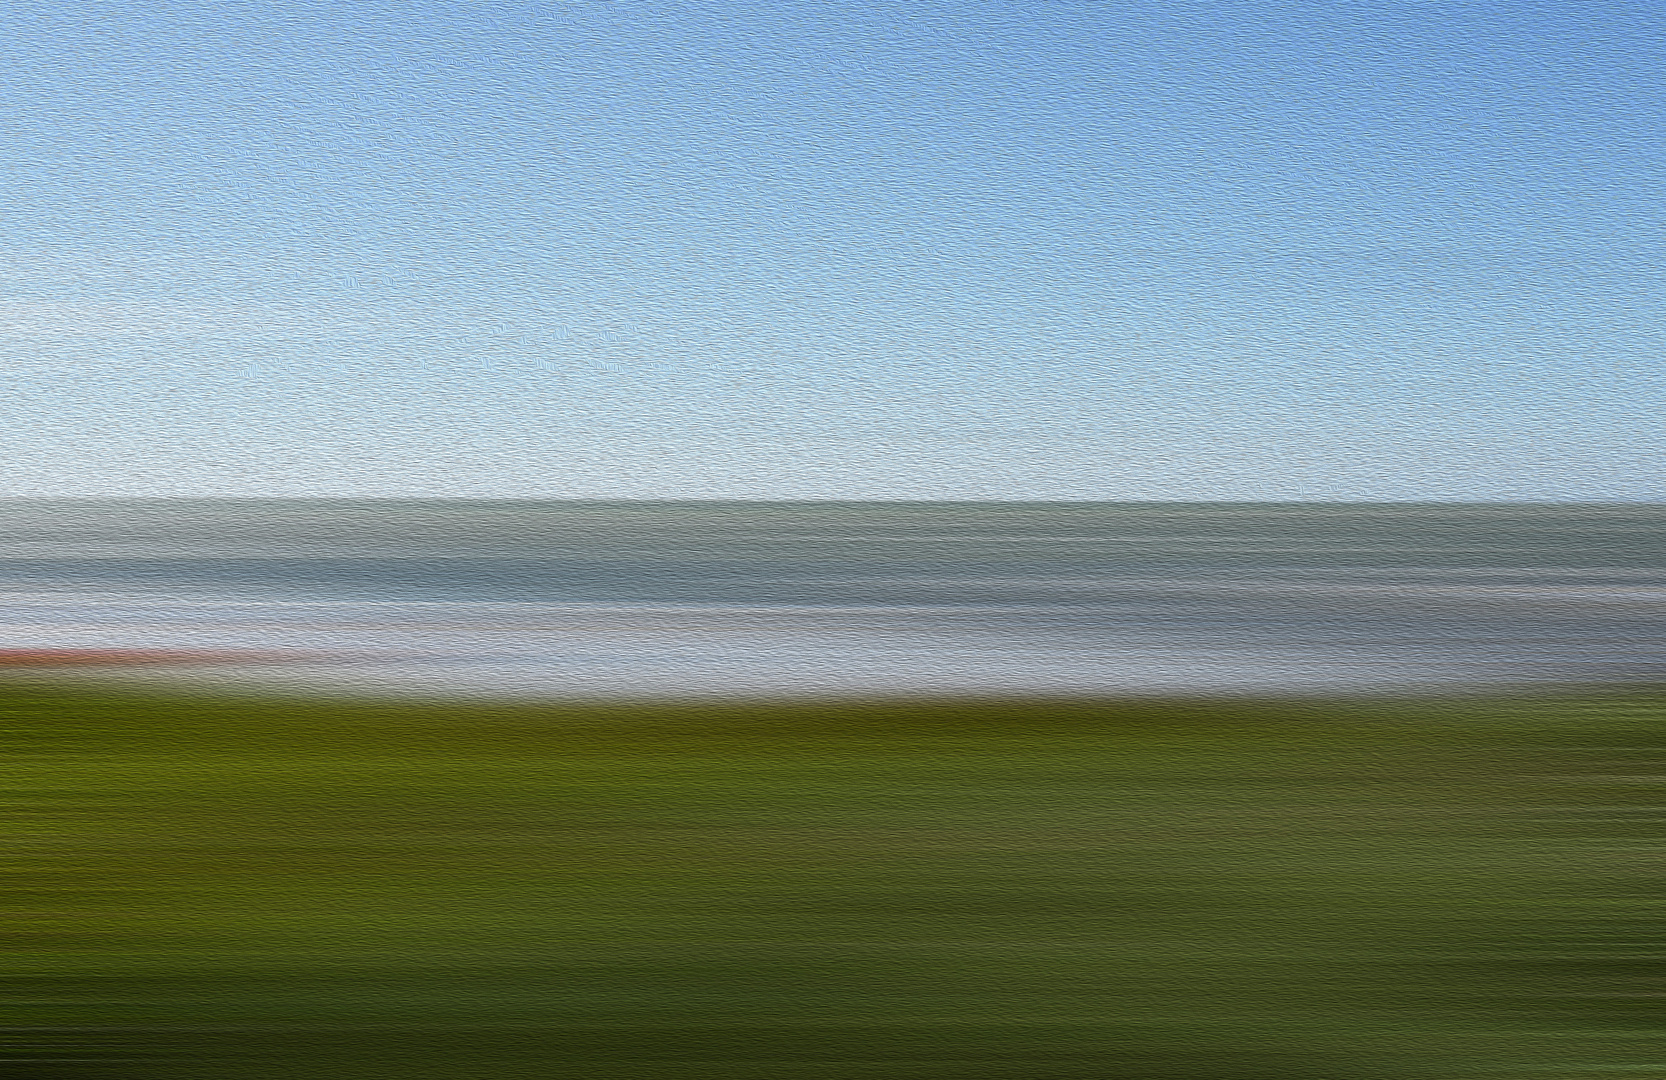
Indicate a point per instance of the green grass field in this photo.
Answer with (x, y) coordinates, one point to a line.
(1034, 890)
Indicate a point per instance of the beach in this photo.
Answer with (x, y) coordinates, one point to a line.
(488, 790)
(574, 599)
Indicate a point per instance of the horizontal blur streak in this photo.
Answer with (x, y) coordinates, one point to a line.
(933, 842)
(1042, 889)
(123, 657)
(596, 599)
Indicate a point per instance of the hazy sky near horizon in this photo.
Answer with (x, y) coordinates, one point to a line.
(1038, 249)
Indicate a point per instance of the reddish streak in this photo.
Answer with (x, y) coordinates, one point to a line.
(61, 657)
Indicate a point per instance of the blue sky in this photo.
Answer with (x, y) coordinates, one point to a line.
(1042, 249)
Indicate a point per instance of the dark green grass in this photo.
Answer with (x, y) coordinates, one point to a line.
(1229, 890)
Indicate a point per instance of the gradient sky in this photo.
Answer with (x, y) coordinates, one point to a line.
(1038, 249)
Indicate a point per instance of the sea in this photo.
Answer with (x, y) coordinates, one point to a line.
(570, 599)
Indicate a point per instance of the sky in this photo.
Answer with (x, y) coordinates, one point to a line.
(1033, 249)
